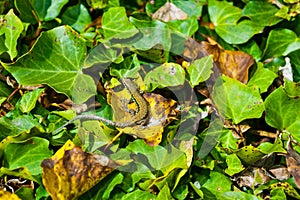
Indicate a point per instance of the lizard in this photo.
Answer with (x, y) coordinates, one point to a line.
(138, 118)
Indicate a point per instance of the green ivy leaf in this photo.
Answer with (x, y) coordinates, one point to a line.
(128, 68)
(234, 165)
(160, 158)
(45, 10)
(268, 148)
(28, 100)
(56, 59)
(115, 24)
(281, 112)
(100, 4)
(249, 154)
(281, 42)
(21, 124)
(5, 90)
(186, 27)
(217, 184)
(11, 27)
(236, 101)
(262, 13)
(225, 18)
(191, 7)
(102, 56)
(29, 153)
(200, 70)
(77, 17)
(138, 194)
(154, 32)
(164, 194)
(238, 195)
(262, 78)
(166, 75)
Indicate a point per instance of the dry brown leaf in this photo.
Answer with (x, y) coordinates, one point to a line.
(234, 64)
(169, 12)
(293, 163)
(71, 171)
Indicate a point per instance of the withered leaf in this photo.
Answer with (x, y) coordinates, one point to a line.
(169, 12)
(234, 64)
(71, 171)
(293, 163)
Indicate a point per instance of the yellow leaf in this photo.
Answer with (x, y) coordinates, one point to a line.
(71, 171)
(7, 195)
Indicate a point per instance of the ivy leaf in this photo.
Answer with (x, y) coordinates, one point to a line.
(56, 59)
(166, 75)
(234, 165)
(225, 18)
(77, 17)
(262, 78)
(102, 56)
(28, 100)
(36, 151)
(11, 27)
(238, 195)
(236, 101)
(281, 42)
(200, 70)
(281, 112)
(262, 13)
(115, 24)
(217, 184)
(45, 10)
(20, 124)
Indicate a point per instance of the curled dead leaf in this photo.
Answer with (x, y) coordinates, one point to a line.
(169, 12)
(293, 163)
(71, 171)
(234, 64)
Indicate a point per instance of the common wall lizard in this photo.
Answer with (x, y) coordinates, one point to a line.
(139, 116)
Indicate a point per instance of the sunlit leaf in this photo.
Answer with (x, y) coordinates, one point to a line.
(28, 100)
(249, 154)
(115, 24)
(44, 10)
(200, 70)
(262, 78)
(281, 112)
(236, 101)
(50, 62)
(166, 75)
(234, 165)
(217, 184)
(77, 17)
(29, 153)
(225, 18)
(281, 42)
(11, 27)
(262, 13)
